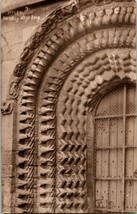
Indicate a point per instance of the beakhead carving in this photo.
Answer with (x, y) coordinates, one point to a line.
(76, 54)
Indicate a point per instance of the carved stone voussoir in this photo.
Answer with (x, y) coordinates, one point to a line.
(53, 20)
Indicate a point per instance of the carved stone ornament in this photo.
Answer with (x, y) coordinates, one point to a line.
(89, 49)
(7, 107)
(55, 19)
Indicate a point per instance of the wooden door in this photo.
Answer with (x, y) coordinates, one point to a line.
(115, 151)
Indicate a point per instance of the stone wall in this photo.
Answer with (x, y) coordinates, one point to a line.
(17, 27)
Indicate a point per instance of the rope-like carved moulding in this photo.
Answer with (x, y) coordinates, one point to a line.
(75, 55)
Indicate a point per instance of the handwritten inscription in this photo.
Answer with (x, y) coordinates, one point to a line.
(21, 18)
(16, 16)
(18, 12)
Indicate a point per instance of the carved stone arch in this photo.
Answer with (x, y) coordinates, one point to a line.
(77, 96)
(63, 62)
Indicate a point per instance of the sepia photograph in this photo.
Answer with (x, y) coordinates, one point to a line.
(68, 106)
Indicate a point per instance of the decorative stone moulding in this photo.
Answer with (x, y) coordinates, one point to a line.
(75, 56)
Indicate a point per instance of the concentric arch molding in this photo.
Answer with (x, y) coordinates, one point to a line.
(53, 56)
(93, 76)
(88, 15)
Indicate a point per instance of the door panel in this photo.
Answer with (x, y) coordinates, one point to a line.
(119, 163)
(120, 132)
(115, 151)
(99, 164)
(129, 163)
(113, 163)
(105, 159)
(131, 131)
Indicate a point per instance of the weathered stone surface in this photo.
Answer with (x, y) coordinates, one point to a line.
(79, 52)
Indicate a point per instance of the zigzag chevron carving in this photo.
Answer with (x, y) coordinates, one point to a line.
(71, 126)
(77, 62)
(72, 106)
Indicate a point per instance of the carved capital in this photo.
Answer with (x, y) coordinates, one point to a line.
(7, 107)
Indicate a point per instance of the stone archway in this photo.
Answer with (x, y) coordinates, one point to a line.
(75, 100)
(77, 53)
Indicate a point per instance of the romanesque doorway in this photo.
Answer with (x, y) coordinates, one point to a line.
(115, 151)
(76, 56)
